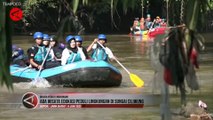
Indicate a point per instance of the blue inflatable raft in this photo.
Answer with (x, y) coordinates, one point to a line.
(79, 74)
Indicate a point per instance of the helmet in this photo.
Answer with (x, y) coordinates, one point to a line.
(46, 37)
(69, 37)
(20, 51)
(157, 17)
(102, 37)
(14, 47)
(52, 38)
(38, 35)
(148, 15)
(78, 38)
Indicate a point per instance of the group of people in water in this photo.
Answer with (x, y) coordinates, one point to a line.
(47, 49)
(146, 24)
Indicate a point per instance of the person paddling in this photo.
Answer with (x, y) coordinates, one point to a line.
(37, 52)
(82, 50)
(71, 53)
(98, 53)
(50, 61)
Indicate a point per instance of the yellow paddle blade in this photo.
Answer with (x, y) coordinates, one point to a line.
(145, 32)
(136, 80)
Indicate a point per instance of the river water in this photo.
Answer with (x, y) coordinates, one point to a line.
(132, 53)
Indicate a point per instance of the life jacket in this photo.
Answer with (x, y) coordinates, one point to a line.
(74, 57)
(99, 54)
(40, 54)
(148, 24)
(83, 56)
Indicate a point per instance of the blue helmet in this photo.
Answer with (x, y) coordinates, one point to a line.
(148, 15)
(69, 37)
(102, 37)
(46, 37)
(20, 51)
(78, 38)
(38, 35)
(14, 47)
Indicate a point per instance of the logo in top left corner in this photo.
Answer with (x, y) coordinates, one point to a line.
(16, 14)
(30, 100)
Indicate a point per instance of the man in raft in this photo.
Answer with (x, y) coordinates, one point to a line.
(98, 52)
(36, 53)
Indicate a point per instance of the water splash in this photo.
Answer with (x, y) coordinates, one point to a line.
(36, 83)
(40, 83)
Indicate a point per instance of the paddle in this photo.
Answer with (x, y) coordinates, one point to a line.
(134, 78)
(20, 70)
(41, 82)
(39, 72)
(153, 22)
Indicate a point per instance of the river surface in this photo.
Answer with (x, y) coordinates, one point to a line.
(132, 53)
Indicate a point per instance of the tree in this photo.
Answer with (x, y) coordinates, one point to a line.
(5, 49)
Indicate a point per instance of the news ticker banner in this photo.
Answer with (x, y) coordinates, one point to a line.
(86, 100)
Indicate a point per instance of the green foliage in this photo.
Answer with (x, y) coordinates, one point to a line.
(31, 6)
(75, 5)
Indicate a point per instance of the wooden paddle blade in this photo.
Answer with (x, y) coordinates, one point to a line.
(136, 80)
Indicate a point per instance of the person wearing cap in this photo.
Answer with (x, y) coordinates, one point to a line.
(82, 50)
(98, 52)
(36, 53)
(70, 54)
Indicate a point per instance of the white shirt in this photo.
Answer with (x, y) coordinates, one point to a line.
(107, 50)
(65, 56)
(80, 50)
(52, 54)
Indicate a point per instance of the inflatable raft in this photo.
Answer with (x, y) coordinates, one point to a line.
(156, 31)
(151, 33)
(79, 74)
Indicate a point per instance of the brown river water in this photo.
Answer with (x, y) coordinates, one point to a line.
(132, 53)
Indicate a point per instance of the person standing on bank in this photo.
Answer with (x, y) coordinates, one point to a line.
(98, 52)
(82, 50)
(71, 53)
